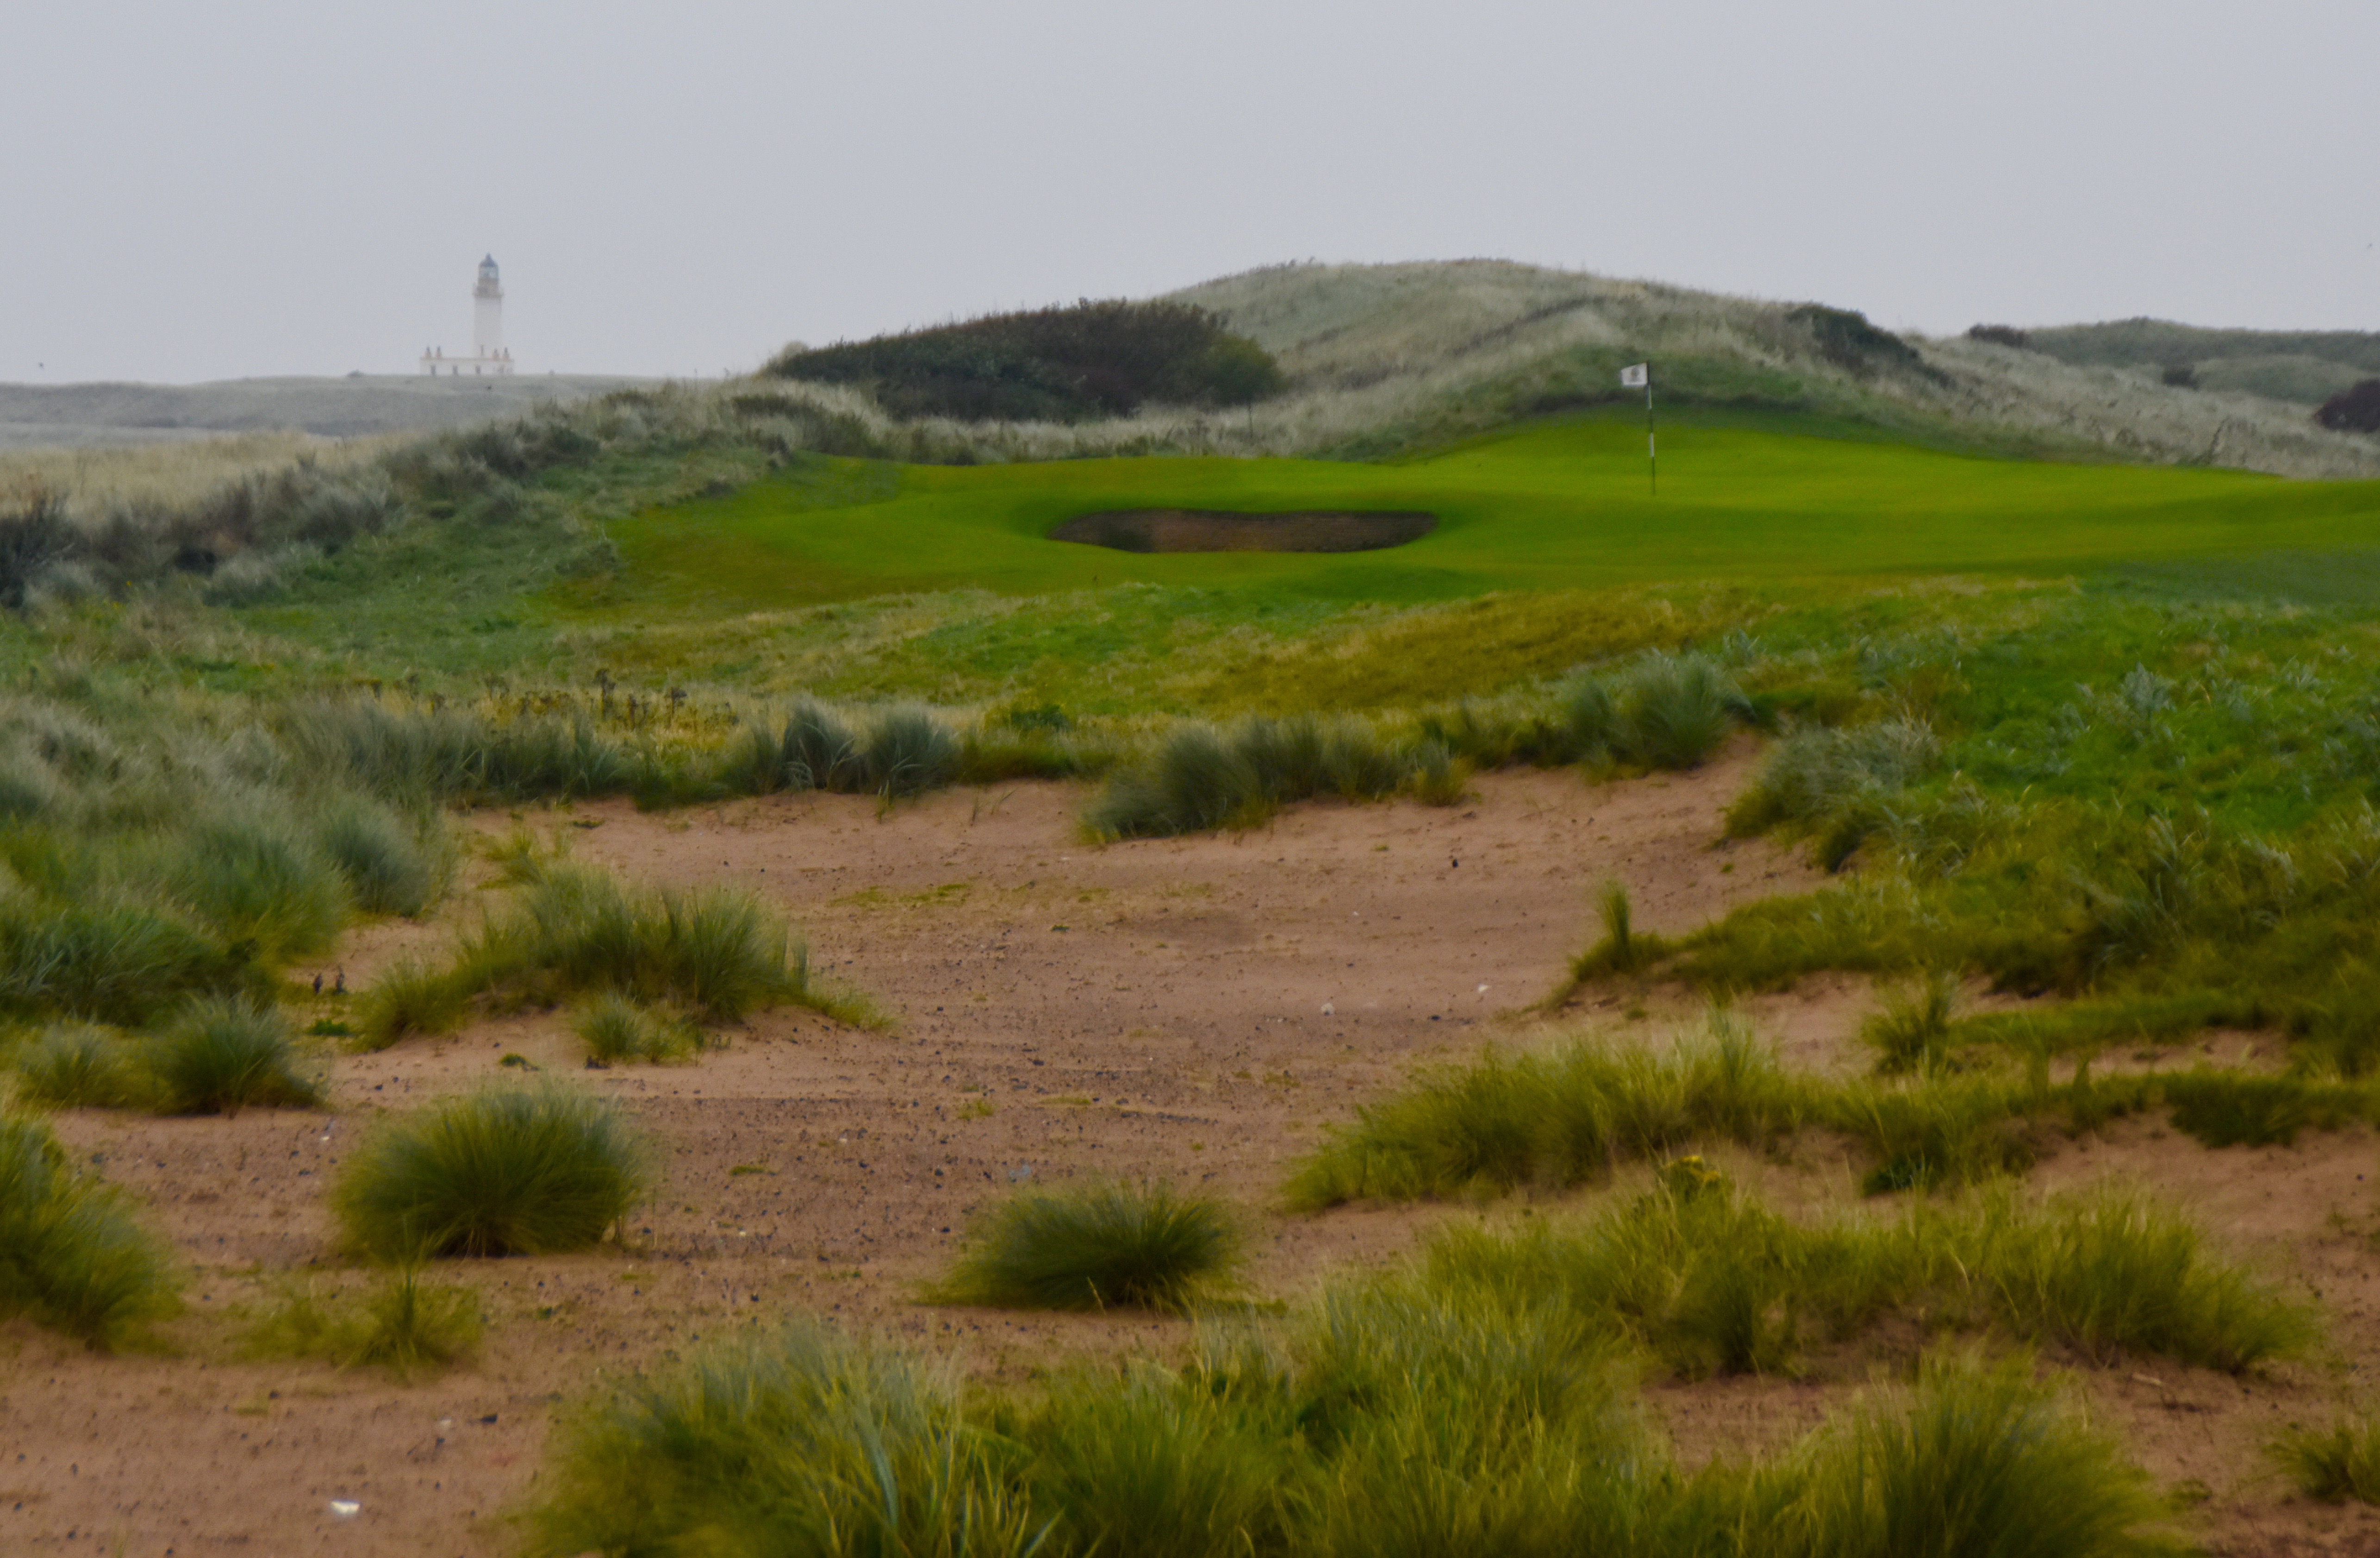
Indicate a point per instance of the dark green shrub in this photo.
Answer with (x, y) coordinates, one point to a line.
(1058, 364)
(221, 1057)
(70, 1255)
(1103, 1245)
(529, 1171)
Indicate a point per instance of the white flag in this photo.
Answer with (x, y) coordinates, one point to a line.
(1635, 377)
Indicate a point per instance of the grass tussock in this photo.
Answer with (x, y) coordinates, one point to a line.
(406, 1325)
(1375, 1423)
(525, 1171)
(2333, 1463)
(1709, 1281)
(78, 1065)
(72, 1257)
(797, 1440)
(1976, 1459)
(1553, 1119)
(218, 1057)
(1095, 1247)
(1912, 1030)
(618, 1031)
(717, 954)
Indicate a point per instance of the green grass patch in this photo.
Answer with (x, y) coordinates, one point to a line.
(402, 1323)
(1095, 1247)
(512, 1171)
(2333, 1464)
(218, 1057)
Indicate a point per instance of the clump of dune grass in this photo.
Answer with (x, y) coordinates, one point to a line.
(1932, 1133)
(403, 1323)
(1200, 777)
(1109, 1245)
(71, 1255)
(1622, 949)
(506, 1171)
(617, 1030)
(1912, 1030)
(717, 953)
(262, 882)
(1977, 1458)
(1557, 1119)
(219, 1056)
(1836, 784)
(2333, 1464)
(119, 963)
(391, 866)
(1707, 1280)
(2110, 1271)
(78, 1065)
(795, 1440)
(1150, 1464)
(1673, 711)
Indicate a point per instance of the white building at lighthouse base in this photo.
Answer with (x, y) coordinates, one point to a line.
(435, 361)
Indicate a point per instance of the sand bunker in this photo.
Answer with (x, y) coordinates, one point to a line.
(1212, 529)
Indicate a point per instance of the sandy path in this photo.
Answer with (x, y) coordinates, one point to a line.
(1195, 1008)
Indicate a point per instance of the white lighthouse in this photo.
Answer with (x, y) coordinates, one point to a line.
(487, 353)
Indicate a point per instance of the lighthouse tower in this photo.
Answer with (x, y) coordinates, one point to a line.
(487, 353)
(488, 313)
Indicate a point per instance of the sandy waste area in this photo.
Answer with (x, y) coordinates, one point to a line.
(1200, 1009)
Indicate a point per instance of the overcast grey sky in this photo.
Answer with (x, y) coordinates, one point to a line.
(257, 186)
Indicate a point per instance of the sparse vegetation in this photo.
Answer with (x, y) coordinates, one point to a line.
(1101, 1246)
(616, 1029)
(403, 1323)
(510, 1171)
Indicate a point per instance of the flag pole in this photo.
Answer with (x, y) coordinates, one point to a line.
(1652, 458)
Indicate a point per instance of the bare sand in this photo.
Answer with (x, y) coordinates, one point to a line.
(1198, 1009)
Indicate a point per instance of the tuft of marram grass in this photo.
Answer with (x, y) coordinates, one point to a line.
(2333, 1464)
(798, 1440)
(391, 866)
(1555, 1119)
(76, 1066)
(71, 1256)
(403, 1323)
(717, 953)
(506, 1171)
(617, 1030)
(1978, 1458)
(1101, 1246)
(219, 1056)
(262, 882)
(1912, 1030)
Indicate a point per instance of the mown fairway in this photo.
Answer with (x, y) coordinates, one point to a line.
(1563, 505)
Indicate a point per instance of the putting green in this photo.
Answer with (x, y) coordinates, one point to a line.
(1561, 503)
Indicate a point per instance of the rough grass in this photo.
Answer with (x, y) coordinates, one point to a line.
(795, 1441)
(1095, 1247)
(218, 1057)
(617, 1030)
(1710, 1281)
(2333, 1464)
(404, 1324)
(76, 1066)
(1372, 1423)
(527, 1171)
(577, 930)
(71, 1255)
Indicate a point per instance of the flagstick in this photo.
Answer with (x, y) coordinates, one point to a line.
(1652, 458)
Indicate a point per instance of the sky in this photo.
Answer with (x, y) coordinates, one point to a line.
(252, 187)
